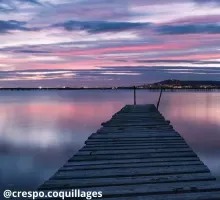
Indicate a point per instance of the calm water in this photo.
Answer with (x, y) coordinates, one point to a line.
(41, 130)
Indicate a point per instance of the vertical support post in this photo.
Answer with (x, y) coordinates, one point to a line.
(158, 103)
(134, 95)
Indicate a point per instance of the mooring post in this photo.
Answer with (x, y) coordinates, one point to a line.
(134, 95)
(158, 103)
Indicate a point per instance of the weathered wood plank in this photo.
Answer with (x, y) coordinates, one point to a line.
(130, 172)
(137, 151)
(123, 143)
(144, 114)
(144, 143)
(117, 191)
(68, 166)
(146, 123)
(152, 189)
(137, 134)
(79, 183)
(141, 126)
(131, 160)
(144, 118)
(132, 135)
(129, 130)
(124, 156)
(136, 112)
(201, 195)
(137, 140)
(125, 133)
(153, 138)
(134, 147)
(131, 119)
(132, 131)
(127, 138)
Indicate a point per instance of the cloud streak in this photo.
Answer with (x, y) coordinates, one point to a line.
(189, 29)
(13, 25)
(100, 26)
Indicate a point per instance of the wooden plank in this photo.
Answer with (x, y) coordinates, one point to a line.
(154, 189)
(129, 144)
(133, 135)
(148, 122)
(127, 140)
(113, 152)
(134, 147)
(131, 130)
(137, 118)
(79, 183)
(137, 125)
(136, 128)
(213, 195)
(125, 144)
(140, 115)
(124, 156)
(130, 172)
(131, 119)
(130, 160)
(137, 133)
(145, 123)
(139, 109)
(152, 138)
(68, 166)
(141, 140)
(139, 112)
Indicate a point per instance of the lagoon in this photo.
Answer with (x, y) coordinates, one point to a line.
(41, 130)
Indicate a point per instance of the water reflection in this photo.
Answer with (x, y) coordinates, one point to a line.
(39, 131)
(196, 116)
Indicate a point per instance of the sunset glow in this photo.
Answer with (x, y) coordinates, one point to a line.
(74, 43)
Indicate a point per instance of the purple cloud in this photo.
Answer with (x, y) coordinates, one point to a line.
(99, 26)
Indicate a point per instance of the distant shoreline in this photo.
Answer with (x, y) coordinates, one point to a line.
(119, 88)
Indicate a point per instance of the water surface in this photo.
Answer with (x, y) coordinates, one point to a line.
(41, 130)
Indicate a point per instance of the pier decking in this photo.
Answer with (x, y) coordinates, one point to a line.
(137, 155)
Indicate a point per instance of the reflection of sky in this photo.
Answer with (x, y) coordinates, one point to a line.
(196, 116)
(40, 131)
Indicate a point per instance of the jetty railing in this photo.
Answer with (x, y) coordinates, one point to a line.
(158, 103)
(134, 95)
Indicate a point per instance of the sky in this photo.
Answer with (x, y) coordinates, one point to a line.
(93, 43)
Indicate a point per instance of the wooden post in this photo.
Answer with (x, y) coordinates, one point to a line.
(158, 103)
(134, 95)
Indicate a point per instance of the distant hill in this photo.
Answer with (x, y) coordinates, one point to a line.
(173, 83)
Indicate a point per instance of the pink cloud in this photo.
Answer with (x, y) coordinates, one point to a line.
(137, 48)
(191, 57)
(195, 19)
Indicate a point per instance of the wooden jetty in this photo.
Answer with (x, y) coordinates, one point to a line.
(137, 155)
